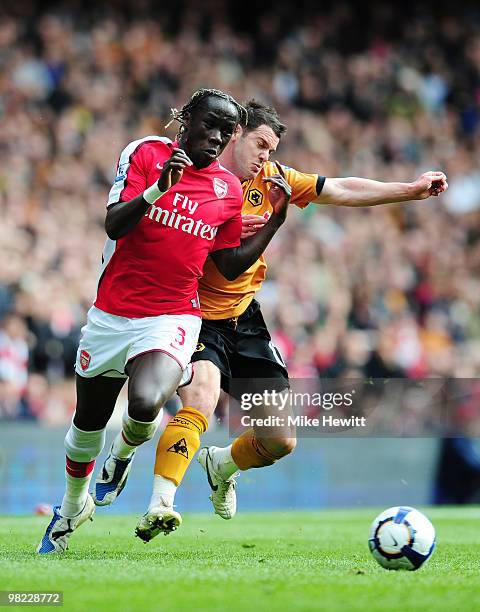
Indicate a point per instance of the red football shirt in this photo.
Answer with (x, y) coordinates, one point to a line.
(154, 269)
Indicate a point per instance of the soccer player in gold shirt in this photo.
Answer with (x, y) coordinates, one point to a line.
(234, 341)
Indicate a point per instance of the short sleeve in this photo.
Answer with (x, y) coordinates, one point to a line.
(305, 187)
(131, 176)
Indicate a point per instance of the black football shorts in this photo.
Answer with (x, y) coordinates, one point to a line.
(242, 348)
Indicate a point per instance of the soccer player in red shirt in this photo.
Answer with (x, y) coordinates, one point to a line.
(171, 205)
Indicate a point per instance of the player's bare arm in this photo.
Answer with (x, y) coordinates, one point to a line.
(122, 217)
(353, 191)
(233, 262)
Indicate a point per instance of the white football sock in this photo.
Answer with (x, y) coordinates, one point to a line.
(163, 493)
(82, 447)
(223, 462)
(76, 491)
(122, 449)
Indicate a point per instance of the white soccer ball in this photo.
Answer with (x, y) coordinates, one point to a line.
(401, 538)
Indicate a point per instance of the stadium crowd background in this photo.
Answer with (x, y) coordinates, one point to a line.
(381, 91)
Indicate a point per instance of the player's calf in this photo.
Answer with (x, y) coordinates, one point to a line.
(251, 450)
(278, 447)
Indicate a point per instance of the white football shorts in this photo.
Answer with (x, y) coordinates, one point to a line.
(109, 342)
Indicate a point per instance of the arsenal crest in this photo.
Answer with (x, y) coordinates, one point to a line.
(84, 360)
(220, 187)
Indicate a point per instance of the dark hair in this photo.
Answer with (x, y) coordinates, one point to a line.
(260, 114)
(196, 100)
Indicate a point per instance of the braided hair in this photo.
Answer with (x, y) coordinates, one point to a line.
(196, 99)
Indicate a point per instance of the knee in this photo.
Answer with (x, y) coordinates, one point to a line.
(281, 446)
(144, 404)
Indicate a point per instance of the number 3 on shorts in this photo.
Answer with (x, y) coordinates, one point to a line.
(179, 339)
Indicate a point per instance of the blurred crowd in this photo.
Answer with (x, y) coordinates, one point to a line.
(381, 91)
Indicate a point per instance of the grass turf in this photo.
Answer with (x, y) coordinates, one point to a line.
(288, 561)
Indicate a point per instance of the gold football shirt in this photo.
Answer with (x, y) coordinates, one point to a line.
(223, 299)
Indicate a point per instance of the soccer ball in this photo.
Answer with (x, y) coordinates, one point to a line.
(401, 538)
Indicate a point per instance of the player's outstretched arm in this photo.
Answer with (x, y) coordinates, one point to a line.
(122, 217)
(353, 191)
(233, 262)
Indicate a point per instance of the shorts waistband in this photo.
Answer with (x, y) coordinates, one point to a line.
(233, 322)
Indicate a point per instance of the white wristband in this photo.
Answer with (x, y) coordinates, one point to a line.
(152, 193)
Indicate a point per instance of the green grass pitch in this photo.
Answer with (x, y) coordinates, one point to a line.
(269, 561)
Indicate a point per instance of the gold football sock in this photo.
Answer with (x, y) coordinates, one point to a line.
(248, 452)
(179, 443)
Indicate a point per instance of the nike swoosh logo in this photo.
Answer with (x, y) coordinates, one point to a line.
(209, 478)
(60, 534)
(159, 167)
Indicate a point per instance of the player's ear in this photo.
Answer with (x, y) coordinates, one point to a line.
(237, 132)
(185, 126)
